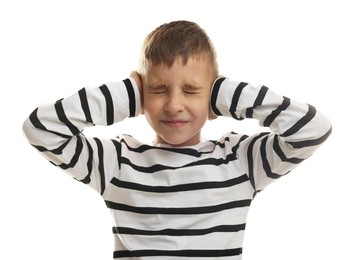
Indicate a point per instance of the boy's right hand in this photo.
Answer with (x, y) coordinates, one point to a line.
(138, 79)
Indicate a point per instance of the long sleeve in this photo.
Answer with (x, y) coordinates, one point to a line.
(55, 130)
(296, 129)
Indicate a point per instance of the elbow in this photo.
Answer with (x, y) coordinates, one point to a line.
(325, 128)
(317, 132)
(27, 129)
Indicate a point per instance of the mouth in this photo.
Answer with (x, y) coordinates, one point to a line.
(175, 123)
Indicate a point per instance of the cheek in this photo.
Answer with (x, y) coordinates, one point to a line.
(152, 107)
(200, 109)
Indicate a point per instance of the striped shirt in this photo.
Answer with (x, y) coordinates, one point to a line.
(171, 202)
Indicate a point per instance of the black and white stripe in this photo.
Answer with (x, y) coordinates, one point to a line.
(177, 202)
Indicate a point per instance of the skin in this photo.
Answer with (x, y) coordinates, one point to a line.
(175, 100)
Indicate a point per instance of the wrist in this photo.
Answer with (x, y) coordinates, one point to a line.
(214, 111)
(138, 81)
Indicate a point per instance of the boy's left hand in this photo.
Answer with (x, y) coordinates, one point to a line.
(211, 115)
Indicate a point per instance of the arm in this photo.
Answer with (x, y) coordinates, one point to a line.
(297, 129)
(55, 130)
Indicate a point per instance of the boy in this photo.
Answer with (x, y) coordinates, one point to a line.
(179, 196)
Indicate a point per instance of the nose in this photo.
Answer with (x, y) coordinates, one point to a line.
(174, 103)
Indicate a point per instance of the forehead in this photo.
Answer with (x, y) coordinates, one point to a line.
(197, 58)
(196, 68)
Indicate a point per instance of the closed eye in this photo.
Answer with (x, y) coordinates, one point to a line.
(190, 89)
(191, 92)
(158, 92)
(158, 89)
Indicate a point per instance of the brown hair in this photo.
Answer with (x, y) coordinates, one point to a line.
(176, 39)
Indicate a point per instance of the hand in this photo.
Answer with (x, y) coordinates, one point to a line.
(138, 79)
(211, 115)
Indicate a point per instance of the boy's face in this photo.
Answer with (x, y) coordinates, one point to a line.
(176, 100)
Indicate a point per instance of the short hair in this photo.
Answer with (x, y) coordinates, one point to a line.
(176, 39)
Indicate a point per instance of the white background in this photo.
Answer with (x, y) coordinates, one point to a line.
(51, 49)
